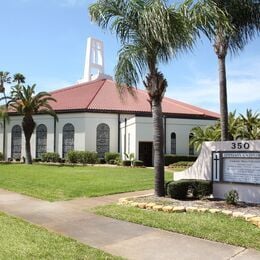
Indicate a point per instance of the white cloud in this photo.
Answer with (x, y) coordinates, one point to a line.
(243, 88)
(71, 3)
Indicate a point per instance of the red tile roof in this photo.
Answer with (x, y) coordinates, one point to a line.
(103, 95)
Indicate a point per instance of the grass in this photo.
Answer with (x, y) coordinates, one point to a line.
(62, 183)
(21, 240)
(215, 227)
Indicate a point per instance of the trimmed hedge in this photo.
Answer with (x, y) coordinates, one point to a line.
(112, 158)
(83, 157)
(198, 188)
(138, 163)
(126, 163)
(50, 157)
(172, 158)
(181, 164)
(1, 156)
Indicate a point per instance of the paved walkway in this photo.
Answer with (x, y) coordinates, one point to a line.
(114, 236)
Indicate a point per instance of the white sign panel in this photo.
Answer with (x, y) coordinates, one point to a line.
(241, 169)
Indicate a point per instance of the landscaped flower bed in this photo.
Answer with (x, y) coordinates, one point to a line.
(249, 213)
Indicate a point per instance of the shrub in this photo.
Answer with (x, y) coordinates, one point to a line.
(198, 188)
(36, 160)
(1, 157)
(202, 188)
(72, 156)
(181, 164)
(178, 189)
(83, 157)
(50, 157)
(231, 197)
(126, 163)
(172, 158)
(101, 161)
(138, 163)
(112, 156)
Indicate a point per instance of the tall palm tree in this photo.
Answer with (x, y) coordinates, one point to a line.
(150, 32)
(244, 16)
(19, 78)
(24, 101)
(5, 78)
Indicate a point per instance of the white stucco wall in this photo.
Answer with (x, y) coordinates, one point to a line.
(138, 128)
(85, 125)
(141, 130)
(182, 129)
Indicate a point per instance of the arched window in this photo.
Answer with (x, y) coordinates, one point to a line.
(16, 142)
(68, 139)
(191, 147)
(173, 143)
(41, 140)
(103, 136)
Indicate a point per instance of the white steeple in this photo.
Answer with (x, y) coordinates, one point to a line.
(94, 63)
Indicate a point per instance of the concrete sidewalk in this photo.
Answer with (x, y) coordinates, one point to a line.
(114, 236)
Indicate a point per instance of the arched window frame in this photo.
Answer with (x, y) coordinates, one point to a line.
(102, 139)
(41, 140)
(68, 137)
(173, 143)
(16, 142)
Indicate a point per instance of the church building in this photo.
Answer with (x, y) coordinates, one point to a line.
(94, 116)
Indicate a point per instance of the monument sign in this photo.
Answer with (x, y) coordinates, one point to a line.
(230, 165)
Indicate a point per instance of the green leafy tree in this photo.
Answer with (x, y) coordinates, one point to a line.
(244, 16)
(245, 127)
(25, 102)
(200, 135)
(249, 125)
(151, 33)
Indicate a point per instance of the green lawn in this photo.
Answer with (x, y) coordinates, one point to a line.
(216, 227)
(61, 183)
(21, 240)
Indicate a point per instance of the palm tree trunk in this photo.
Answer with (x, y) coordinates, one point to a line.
(28, 159)
(28, 127)
(223, 99)
(158, 147)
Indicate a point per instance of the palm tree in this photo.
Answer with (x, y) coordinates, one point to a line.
(150, 33)
(19, 78)
(249, 125)
(24, 101)
(244, 16)
(5, 78)
(200, 135)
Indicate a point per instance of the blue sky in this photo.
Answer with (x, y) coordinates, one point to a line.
(46, 40)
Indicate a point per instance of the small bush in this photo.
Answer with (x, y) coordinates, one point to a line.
(181, 164)
(231, 197)
(112, 156)
(112, 162)
(1, 156)
(138, 163)
(50, 157)
(72, 156)
(36, 160)
(201, 188)
(126, 163)
(178, 189)
(83, 157)
(101, 161)
(198, 188)
(172, 158)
